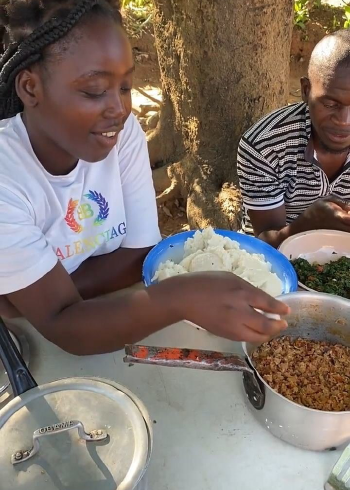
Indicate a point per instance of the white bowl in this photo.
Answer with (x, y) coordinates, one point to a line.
(321, 246)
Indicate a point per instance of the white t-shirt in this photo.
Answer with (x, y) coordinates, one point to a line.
(94, 210)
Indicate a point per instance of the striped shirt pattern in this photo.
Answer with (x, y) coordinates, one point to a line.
(273, 169)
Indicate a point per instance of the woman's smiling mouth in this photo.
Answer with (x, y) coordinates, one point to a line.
(110, 134)
(107, 139)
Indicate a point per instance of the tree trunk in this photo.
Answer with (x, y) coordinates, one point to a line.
(223, 63)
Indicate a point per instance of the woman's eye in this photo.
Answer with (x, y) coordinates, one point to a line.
(125, 90)
(94, 95)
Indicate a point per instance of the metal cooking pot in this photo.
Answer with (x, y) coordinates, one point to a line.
(314, 316)
(71, 434)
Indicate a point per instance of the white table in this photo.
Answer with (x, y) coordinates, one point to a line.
(205, 437)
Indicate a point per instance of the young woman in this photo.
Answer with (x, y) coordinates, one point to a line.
(77, 204)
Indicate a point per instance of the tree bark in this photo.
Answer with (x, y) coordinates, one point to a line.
(223, 63)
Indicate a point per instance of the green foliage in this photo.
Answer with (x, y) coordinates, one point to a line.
(138, 4)
(140, 10)
(330, 17)
(335, 24)
(346, 17)
(137, 15)
(301, 13)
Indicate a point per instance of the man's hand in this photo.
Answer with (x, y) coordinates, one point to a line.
(329, 213)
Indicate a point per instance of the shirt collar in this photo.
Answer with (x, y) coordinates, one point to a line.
(309, 152)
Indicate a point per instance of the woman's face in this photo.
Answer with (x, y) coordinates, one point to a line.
(83, 92)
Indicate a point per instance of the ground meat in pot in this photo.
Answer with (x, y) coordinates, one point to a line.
(310, 373)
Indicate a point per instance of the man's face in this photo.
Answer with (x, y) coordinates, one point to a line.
(329, 105)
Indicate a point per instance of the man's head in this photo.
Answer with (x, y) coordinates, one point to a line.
(327, 91)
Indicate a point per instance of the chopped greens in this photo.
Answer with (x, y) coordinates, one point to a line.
(332, 278)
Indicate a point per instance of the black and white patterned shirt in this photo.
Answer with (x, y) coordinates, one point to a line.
(273, 168)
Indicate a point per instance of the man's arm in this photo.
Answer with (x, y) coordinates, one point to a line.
(270, 226)
(328, 213)
(262, 193)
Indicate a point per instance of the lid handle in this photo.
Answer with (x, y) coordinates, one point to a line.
(19, 375)
(94, 435)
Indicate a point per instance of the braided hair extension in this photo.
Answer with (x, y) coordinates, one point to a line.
(29, 50)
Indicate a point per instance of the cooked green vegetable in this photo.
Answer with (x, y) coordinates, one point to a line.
(332, 278)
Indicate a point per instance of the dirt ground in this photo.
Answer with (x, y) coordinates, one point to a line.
(147, 94)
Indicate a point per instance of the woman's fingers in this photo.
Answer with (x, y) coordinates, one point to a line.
(261, 324)
(262, 301)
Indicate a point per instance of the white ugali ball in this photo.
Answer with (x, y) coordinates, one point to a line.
(194, 244)
(208, 251)
(206, 261)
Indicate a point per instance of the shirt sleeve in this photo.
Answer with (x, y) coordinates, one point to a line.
(25, 255)
(138, 191)
(258, 179)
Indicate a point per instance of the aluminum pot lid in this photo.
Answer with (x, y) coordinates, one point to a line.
(73, 434)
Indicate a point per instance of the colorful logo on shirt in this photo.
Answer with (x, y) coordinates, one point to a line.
(85, 211)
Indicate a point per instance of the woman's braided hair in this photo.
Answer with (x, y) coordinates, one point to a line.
(27, 33)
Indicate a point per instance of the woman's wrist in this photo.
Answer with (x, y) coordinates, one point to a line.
(169, 299)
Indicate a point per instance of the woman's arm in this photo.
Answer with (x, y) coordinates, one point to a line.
(54, 306)
(220, 302)
(111, 272)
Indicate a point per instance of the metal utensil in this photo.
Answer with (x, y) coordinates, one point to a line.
(339, 479)
(199, 359)
(186, 358)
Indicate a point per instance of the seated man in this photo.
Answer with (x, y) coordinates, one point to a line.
(294, 164)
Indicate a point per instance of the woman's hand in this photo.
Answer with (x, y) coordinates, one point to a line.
(224, 304)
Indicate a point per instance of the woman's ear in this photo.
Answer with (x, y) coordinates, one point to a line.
(29, 87)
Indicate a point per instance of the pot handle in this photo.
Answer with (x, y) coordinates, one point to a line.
(186, 358)
(93, 436)
(19, 375)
